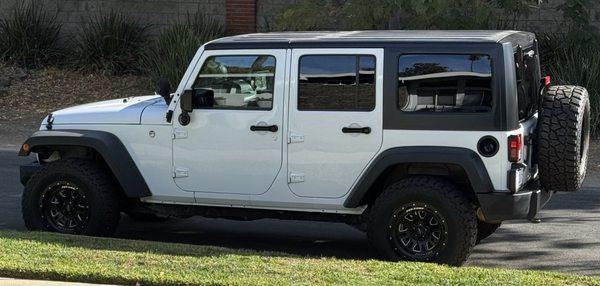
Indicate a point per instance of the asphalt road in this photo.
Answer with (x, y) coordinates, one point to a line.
(567, 240)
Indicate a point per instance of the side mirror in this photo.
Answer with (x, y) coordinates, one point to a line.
(186, 101)
(196, 99)
(203, 98)
(164, 89)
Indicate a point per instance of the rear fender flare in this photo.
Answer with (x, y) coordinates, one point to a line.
(467, 159)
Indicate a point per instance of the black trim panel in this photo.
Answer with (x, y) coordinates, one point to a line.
(467, 159)
(106, 144)
(497, 207)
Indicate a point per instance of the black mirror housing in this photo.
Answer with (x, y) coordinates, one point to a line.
(186, 101)
(196, 99)
(203, 98)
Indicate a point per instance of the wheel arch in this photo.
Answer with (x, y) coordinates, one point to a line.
(108, 146)
(462, 166)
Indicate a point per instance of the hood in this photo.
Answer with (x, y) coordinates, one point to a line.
(116, 111)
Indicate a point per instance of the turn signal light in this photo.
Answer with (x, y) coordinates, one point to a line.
(515, 148)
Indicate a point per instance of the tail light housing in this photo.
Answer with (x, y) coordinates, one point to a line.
(515, 148)
(547, 81)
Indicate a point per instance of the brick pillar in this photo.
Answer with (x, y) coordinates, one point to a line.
(241, 16)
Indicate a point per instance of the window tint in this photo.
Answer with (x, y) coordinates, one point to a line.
(528, 82)
(445, 83)
(336, 83)
(239, 82)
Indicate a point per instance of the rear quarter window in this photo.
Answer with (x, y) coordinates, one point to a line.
(459, 83)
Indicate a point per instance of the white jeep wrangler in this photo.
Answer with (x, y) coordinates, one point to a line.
(427, 140)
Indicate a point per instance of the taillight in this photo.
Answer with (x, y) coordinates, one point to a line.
(547, 81)
(515, 148)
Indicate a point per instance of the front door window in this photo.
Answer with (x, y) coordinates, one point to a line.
(239, 82)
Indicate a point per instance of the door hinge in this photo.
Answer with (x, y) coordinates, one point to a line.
(295, 138)
(179, 133)
(180, 172)
(296, 178)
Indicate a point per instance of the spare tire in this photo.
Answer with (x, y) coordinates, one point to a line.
(563, 138)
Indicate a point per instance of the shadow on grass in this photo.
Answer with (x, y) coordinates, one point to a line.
(300, 238)
(135, 246)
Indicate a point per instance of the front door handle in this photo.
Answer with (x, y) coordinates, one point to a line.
(270, 128)
(365, 130)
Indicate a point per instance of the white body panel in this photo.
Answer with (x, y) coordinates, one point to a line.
(219, 151)
(115, 111)
(329, 161)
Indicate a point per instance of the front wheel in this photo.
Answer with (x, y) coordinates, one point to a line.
(73, 196)
(423, 219)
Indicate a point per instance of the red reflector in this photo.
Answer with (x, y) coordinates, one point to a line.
(547, 80)
(515, 146)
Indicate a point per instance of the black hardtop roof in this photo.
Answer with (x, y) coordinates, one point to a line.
(369, 38)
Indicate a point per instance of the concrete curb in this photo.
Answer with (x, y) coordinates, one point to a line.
(26, 282)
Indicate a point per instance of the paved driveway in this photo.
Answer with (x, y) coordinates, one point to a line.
(567, 240)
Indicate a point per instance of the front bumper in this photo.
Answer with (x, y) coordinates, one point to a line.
(26, 171)
(497, 207)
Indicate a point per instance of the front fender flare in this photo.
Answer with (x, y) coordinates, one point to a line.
(106, 144)
(463, 157)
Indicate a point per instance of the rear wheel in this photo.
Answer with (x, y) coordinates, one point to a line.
(423, 219)
(563, 138)
(73, 196)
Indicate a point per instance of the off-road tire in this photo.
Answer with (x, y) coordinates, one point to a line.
(95, 183)
(484, 230)
(563, 138)
(443, 196)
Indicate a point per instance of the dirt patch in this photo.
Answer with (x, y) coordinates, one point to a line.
(28, 96)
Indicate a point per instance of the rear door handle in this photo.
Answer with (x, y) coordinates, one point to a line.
(365, 130)
(270, 128)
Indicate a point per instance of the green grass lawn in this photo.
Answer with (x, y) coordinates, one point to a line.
(86, 259)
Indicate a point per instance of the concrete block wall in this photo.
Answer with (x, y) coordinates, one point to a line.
(239, 16)
(158, 13)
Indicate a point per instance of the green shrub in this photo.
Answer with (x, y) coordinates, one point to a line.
(110, 42)
(175, 47)
(574, 59)
(401, 14)
(29, 36)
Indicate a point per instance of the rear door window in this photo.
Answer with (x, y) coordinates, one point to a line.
(336, 83)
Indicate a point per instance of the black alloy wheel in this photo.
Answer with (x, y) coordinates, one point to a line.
(417, 230)
(64, 207)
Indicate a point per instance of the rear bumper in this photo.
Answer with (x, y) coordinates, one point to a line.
(26, 171)
(496, 207)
